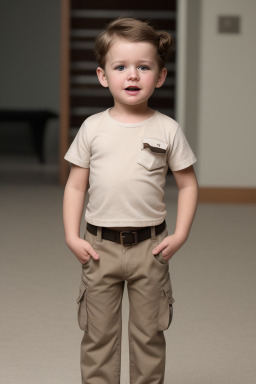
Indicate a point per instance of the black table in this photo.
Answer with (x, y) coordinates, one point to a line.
(37, 119)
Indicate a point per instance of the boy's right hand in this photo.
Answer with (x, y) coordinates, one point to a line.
(82, 250)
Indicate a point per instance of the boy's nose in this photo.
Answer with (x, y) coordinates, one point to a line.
(133, 75)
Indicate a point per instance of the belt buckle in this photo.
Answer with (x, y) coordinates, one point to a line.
(122, 237)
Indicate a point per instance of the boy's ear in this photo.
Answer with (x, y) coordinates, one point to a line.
(102, 76)
(161, 78)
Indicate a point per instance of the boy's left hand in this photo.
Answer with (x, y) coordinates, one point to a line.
(169, 246)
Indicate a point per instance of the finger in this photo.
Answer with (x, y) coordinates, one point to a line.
(84, 260)
(92, 252)
(165, 254)
(158, 248)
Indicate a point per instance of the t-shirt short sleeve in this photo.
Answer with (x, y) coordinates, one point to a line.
(181, 155)
(79, 152)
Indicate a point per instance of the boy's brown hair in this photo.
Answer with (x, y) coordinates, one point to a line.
(136, 31)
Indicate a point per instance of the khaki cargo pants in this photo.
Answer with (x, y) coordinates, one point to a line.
(99, 310)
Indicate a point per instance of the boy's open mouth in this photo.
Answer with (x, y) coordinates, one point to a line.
(132, 89)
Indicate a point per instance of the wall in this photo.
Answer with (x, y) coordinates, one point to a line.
(30, 59)
(192, 71)
(225, 90)
(220, 80)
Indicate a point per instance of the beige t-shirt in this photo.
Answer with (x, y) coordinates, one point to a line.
(128, 165)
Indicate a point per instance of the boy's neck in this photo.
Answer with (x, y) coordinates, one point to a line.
(131, 113)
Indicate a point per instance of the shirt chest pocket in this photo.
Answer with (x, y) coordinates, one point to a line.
(153, 154)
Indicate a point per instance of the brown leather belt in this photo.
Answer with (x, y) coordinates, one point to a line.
(126, 238)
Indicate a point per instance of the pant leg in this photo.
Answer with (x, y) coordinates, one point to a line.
(99, 314)
(150, 297)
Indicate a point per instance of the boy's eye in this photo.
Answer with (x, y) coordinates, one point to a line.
(120, 67)
(143, 67)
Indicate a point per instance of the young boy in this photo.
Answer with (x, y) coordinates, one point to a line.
(124, 154)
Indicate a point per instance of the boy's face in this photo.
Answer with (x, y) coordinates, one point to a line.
(131, 72)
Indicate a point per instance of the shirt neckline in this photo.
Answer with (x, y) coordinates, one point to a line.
(130, 125)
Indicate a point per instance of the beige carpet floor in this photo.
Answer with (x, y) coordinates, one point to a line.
(212, 339)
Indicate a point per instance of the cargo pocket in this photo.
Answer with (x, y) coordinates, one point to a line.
(153, 154)
(165, 309)
(82, 307)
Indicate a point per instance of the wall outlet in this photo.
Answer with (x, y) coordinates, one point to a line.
(229, 24)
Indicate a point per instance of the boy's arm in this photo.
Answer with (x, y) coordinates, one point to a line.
(187, 203)
(73, 204)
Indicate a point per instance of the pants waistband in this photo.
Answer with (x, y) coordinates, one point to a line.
(126, 238)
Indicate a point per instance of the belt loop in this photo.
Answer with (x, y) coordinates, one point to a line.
(99, 234)
(153, 233)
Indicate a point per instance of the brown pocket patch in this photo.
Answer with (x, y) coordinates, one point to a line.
(153, 154)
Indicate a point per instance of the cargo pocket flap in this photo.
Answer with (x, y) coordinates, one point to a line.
(167, 289)
(154, 145)
(81, 300)
(82, 290)
(165, 308)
